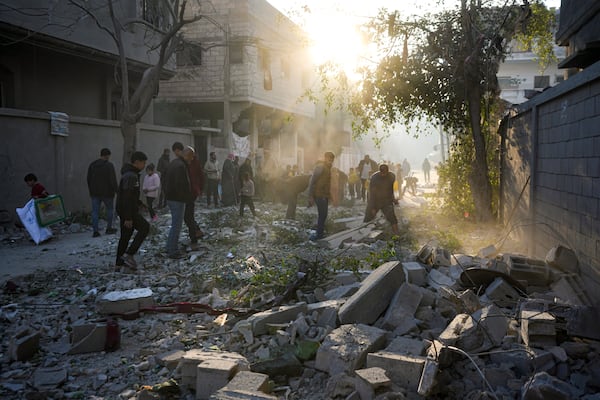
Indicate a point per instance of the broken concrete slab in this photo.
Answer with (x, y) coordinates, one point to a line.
(350, 235)
(374, 295)
(249, 381)
(545, 386)
(463, 332)
(170, 359)
(406, 345)
(402, 307)
(277, 315)
(24, 345)
(88, 338)
(125, 301)
(192, 358)
(345, 348)
(404, 370)
(240, 394)
(493, 322)
(538, 329)
(502, 293)
(437, 279)
(49, 378)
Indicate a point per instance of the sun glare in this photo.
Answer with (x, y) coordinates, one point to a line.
(336, 40)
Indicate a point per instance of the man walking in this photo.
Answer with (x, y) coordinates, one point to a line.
(128, 203)
(381, 197)
(211, 168)
(319, 191)
(102, 185)
(426, 169)
(178, 193)
(365, 168)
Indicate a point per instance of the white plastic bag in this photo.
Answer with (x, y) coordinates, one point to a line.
(27, 215)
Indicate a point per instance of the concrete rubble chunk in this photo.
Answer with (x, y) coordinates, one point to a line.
(493, 322)
(406, 345)
(345, 348)
(188, 365)
(463, 333)
(569, 289)
(404, 370)
(374, 295)
(341, 292)
(170, 359)
(212, 375)
(24, 345)
(437, 279)
(277, 315)
(538, 329)
(125, 301)
(534, 272)
(544, 386)
(470, 301)
(403, 306)
(427, 381)
(350, 235)
(49, 378)
(563, 258)
(415, 273)
(375, 377)
(441, 257)
(502, 294)
(249, 381)
(228, 394)
(88, 338)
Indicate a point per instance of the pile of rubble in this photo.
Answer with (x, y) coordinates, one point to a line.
(427, 325)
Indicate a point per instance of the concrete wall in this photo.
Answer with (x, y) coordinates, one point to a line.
(555, 140)
(61, 163)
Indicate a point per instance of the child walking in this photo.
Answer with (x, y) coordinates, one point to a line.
(247, 193)
(150, 188)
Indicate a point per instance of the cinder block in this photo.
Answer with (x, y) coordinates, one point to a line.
(250, 381)
(345, 348)
(88, 338)
(405, 371)
(470, 301)
(126, 301)
(212, 375)
(374, 295)
(170, 359)
(441, 257)
(463, 333)
(534, 272)
(192, 358)
(278, 315)
(493, 322)
(538, 329)
(427, 380)
(415, 273)
(24, 345)
(408, 346)
(502, 294)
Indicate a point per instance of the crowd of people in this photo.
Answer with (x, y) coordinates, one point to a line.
(178, 183)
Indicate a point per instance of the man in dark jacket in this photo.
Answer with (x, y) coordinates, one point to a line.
(381, 197)
(319, 191)
(102, 184)
(128, 203)
(178, 192)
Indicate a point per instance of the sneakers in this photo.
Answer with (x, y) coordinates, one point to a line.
(110, 231)
(96, 234)
(129, 261)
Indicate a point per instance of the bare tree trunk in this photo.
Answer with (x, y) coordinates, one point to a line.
(129, 131)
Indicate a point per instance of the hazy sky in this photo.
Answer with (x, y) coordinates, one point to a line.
(332, 23)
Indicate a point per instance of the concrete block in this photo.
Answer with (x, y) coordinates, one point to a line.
(463, 333)
(342, 292)
(126, 301)
(415, 273)
(493, 322)
(24, 345)
(345, 278)
(563, 258)
(277, 315)
(88, 338)
(534, 272)
(170, 359)
(441, 257)
(404, 370)
(374, 295)
(425, 254)
(437, 279)
(407, 346)
(250, 381)
(538, 329)
(212, 375)
(192, 358)
(403, 306)
(427, 380)
(375, 377)
(502, 294)
(345, 348)
(469, 301)
(49, 378)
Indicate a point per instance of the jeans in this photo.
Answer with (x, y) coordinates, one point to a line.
(247, 200)
(190, 222)
(177, 210)
(108, 204)
(322, 204)
(141, 226)
(149, 201)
